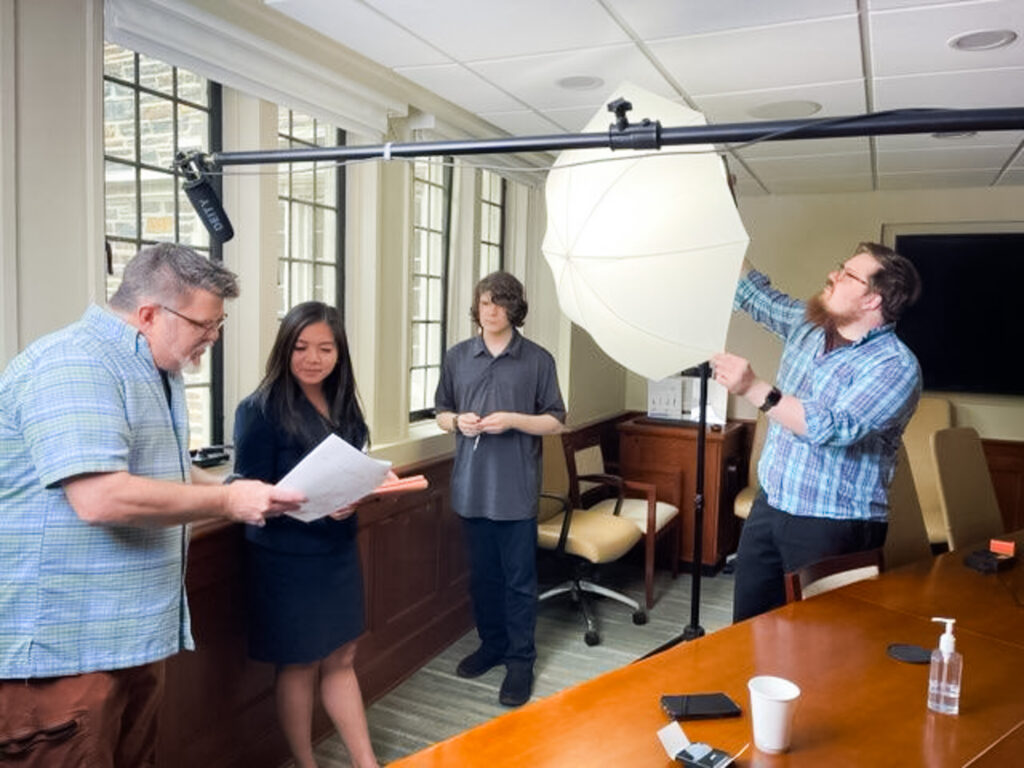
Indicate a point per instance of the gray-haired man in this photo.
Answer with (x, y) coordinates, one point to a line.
(95, 488)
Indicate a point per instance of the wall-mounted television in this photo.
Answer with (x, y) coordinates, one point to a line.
(967, 329)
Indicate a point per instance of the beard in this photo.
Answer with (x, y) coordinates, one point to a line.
(192, 364)
(817, 313)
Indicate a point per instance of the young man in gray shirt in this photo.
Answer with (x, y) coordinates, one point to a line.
(498, 393)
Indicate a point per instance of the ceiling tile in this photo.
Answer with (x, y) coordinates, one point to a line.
(1012, 177)
(774, 168)
(769, 57)
(928, 141)
(818, 184)
(944, 159)
(469, 30)
(522, 123)
(836, 99)
(362, 29)
(461, 86)
(883, 5)
(575, 119)
(911, 41)
(806, 147)
(533, 79)
(653, 19)
(952, 90)
(935, 180)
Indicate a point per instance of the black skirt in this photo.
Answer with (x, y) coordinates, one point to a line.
(302, 607)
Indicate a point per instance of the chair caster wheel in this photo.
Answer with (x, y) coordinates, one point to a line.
(591, 638)
(639, 617)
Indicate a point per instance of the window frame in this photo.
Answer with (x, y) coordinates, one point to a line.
(340, 190)
(447, 185)
(214, 249)
(484, 203)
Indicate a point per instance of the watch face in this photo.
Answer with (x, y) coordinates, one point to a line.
(771, 399)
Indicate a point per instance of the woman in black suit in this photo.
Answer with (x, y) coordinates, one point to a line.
(305, 583)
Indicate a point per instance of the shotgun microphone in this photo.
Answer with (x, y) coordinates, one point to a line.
(204, 200)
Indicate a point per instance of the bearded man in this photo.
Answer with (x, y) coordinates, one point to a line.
(847, 386)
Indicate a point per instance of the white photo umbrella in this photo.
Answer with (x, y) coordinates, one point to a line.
(646, 246)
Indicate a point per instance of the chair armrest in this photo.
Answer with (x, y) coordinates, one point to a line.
(648, 491)
(566, 518)
(604, 478)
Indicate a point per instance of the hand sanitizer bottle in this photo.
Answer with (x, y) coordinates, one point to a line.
(944, 677)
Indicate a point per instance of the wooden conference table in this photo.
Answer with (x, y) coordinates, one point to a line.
(859, 707)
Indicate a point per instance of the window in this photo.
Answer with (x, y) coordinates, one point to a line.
(311, 199)
(491, 244)
(432, 190)
(152, 110)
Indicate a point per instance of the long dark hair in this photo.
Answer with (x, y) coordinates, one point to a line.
(279, 393)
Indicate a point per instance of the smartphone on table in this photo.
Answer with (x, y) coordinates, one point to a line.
(699, 706)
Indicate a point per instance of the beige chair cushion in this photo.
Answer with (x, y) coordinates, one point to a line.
(636, 511)
(932, 414)
(745, 498)
(907, 538)
(837, 580)
(595, 536)
(744, 501)
(966, 495)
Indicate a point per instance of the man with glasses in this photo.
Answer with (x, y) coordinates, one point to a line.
(96, 491)
(847, 386)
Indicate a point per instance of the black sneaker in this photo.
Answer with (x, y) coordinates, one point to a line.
(478, 662)
(518, 685)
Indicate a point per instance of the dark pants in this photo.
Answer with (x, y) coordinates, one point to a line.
(503, 585)
(93, 720)
(774, 542)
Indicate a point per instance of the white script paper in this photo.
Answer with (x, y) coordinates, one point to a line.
(333, 475)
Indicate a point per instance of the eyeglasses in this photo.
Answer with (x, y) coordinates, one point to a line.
(210, 326)
(842, 272)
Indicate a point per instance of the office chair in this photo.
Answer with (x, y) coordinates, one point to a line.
(744, 500)
(593, 488)
(586, 538)
(907, 538)
(967, 498)
(582, 539)
(932, 414)
(832, 573)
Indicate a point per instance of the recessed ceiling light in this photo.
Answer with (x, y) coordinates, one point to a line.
(983, 40)
(784, 110)
(955, 135)
(580, 82)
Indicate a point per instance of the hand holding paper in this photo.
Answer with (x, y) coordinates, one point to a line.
(334, 475)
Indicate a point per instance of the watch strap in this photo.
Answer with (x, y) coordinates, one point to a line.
(771, 399)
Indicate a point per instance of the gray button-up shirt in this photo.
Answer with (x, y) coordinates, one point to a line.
(498, 476)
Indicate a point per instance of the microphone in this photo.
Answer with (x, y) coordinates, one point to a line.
(204, 200)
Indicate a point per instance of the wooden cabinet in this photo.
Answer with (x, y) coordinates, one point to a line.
(652, 450)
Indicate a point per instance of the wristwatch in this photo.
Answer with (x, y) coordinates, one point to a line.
(771, 399)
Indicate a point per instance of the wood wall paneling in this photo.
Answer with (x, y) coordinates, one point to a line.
(1006, 465)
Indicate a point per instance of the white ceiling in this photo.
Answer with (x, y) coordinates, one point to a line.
(502, 59)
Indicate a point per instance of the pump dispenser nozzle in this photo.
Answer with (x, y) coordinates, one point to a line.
(947, 642)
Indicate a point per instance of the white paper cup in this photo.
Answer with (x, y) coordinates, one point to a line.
(772, 703)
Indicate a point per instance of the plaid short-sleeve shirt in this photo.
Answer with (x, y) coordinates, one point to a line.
(76, 597)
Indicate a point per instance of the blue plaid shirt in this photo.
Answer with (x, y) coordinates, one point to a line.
(857, 400)
(76, 597)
